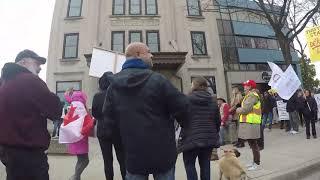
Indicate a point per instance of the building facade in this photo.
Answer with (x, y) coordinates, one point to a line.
(248, 42)
(164, 25)
(226, 47)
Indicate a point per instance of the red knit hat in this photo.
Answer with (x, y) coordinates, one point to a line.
(250, 83)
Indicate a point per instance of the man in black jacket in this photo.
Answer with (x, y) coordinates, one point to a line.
(107, 139)
(142, 103)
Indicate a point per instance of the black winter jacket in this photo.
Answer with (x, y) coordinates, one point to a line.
(202, 129)
(142, 103)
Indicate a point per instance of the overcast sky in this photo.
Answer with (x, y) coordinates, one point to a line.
(26, 24)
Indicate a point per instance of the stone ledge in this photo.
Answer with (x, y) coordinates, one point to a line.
(56, 148)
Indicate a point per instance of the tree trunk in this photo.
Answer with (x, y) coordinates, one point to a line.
(285, 49)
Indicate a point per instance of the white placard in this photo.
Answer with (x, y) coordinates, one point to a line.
(103, 61)
(317, 97)
(282, 111)
(276, 74)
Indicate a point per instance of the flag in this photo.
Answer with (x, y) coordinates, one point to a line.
(313, 41)
(77, 124)
(275, 76)
(288, 84)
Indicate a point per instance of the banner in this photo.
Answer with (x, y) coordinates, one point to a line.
(313, 40)
(282, 111)
(317, 97)
(276, 74)
(103, 61)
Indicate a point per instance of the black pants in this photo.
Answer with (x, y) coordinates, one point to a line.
(189, 159)
(253, 143)
(311, 121)
(106, 148)
(56, 127)
(260, 141)
(25, 164)
(286, 124)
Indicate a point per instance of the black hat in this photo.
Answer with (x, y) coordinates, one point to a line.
(29, 54)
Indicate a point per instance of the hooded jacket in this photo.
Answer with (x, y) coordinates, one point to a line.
(202, 129)
(142, 103)
(97, 105)
(25, 105)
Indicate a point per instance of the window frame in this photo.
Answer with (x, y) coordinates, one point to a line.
(147, 37)
(140, 8)
(135, 31)
(123, 39)
(199, 6)
(205, 43)
(75, 81)
(146, 8)
(64, 45)
(68, 11)
(123, 7)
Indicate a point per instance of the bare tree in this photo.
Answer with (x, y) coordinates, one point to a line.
(288, 18)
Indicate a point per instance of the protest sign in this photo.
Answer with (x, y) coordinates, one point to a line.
(313, 41)
(282, 111)
(103, 61)
(317, 97)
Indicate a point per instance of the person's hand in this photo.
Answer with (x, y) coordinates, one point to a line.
(238, 110)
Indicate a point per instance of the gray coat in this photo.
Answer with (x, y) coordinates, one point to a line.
(248, 131)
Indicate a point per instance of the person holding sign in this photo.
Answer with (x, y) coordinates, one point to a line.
(310, 109)
(250, 120)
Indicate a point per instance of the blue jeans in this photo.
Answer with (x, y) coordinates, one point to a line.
(169, 175)
(189, 159)
(267, 119)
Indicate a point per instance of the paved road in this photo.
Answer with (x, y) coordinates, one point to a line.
(282, 152)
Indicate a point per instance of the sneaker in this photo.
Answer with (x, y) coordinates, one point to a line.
(250, 164)
(308, 137)
(315, 137)
(294, 132)
(254, 167)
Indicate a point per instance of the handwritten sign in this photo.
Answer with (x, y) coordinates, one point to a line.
(282, 111)
(317, 97)
(313, 40)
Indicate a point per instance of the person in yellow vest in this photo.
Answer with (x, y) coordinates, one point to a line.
(250, 120)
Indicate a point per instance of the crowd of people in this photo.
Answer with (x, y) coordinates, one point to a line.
(136, 112)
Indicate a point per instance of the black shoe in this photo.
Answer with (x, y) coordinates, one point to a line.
(314, 136)
(308, 137)
(240, 145)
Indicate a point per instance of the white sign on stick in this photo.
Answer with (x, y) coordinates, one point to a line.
(276, 74)
(317, 97)
(282, 111)
(103, 61)
(289, 83)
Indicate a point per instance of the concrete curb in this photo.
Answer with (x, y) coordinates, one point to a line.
(296, 173)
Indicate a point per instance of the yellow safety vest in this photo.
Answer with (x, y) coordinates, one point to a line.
(253, 117)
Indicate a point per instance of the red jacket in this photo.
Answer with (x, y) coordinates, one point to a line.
(25, 105)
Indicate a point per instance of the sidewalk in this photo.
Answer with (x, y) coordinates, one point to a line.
(283, 153)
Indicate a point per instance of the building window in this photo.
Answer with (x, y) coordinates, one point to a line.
(261, 43)
(74, 8)
(135, 36)
(117, 41)
(151, 7)
(70, 45)
(62, 86)
(135, 7)
(194, 8)
(118, 7)
(244, 42)
(272, 44)
(224, 27)
(199, 45)
(153, 41)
